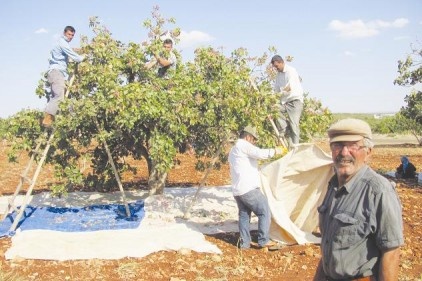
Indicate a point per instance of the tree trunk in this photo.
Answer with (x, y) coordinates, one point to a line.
(156, 179)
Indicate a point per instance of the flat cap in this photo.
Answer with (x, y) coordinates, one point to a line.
(349, 129)
(251, 130)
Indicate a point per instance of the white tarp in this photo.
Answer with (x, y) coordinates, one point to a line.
(163, 227)
(295, 185)
(106, 244)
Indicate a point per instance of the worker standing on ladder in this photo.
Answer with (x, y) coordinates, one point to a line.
(57, 73)
(288, 83)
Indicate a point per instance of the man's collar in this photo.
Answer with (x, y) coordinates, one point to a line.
(65, 38)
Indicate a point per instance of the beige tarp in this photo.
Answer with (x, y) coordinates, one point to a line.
(295, 185)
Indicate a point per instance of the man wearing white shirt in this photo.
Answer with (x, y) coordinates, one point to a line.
(165, 61)
(243, 159)
(288, 83)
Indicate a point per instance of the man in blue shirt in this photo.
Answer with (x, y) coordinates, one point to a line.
(57, 73)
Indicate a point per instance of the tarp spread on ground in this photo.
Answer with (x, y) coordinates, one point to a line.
(74, 219)
(295, 185)
(106, 244)
(162, 228)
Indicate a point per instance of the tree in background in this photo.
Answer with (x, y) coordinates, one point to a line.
(410, 74)
(116, 100)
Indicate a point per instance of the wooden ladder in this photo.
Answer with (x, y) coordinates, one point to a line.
(43, 145)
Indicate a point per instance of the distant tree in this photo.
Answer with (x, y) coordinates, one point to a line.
(410, 74)
(3, 128)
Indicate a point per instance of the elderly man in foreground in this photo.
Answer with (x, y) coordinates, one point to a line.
(360, 218)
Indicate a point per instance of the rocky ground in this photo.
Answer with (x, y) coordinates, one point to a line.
(290, 263)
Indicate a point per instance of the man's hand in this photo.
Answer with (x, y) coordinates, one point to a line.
(280, 150)
(151, 63)
(78, 50)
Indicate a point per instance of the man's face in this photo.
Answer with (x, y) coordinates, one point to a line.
(278, 65)
(69, 35)
(251, 139)
(349, 157)
(168, 47)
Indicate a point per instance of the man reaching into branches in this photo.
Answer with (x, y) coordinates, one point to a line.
(288, 83)
(166, 61)
(57, 73)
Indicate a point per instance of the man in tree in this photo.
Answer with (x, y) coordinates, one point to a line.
(166, 61)
(243, 159)
(57, 73)
(288, 83)
(360, 218)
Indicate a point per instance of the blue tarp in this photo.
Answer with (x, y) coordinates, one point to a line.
(75, 219)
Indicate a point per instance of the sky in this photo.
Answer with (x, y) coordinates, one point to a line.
(346, 51)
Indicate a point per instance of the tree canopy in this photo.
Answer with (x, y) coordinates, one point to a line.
(116, 100)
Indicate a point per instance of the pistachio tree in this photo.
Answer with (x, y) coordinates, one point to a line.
(116, 102)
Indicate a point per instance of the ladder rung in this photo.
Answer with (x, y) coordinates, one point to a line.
(28, 180)
(35, 151)
(12, 208)
(11, 203)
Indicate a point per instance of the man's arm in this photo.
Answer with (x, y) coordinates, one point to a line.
(389, 265)
(160, 60)
(151, 63)
(70, 52)
(166, 62)
(163, 62)
(261, 153)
